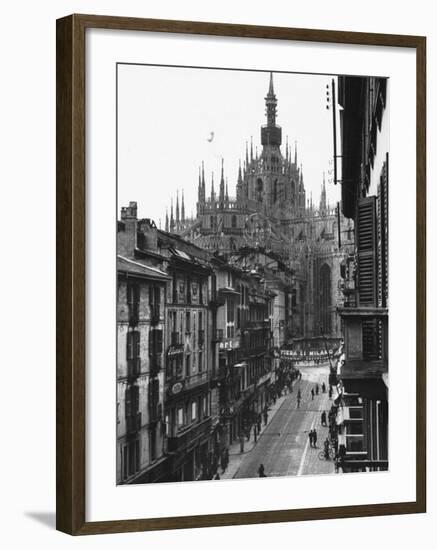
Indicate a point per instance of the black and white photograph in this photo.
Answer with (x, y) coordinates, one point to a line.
(252, 274)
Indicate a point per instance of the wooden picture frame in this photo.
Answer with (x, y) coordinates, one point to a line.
(71, 248)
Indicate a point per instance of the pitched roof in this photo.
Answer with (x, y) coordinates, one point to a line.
(124, 265)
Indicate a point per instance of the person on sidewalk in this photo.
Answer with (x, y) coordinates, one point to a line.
(324, 387)
(266, 416)
(323, 418)
(312, 394)
(310, 437)
(317, 389)
(314, 438)
(261, 472)
(241, 442)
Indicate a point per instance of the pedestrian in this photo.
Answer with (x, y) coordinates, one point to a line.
(323, 418)
(266, 417)
(312, 394)
(223, 462)
(310, 437)
(299, 395)
(330, 392)
(324, 387)
(315, 438)
(261, 472)
(241, 443)
(317, 389)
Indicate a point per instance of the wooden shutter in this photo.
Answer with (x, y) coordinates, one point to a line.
(136, 344)
(129, 346)
(366, 238)
(158, 341)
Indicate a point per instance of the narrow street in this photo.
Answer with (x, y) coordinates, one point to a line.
(283, 447)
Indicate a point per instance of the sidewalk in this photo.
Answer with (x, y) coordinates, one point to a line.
(235, 457)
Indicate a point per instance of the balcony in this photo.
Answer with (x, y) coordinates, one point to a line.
(196, 380)
(365, 343)
(133, 368)
(133, 423)
(188, 436)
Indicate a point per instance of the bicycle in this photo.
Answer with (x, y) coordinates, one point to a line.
(327, 455)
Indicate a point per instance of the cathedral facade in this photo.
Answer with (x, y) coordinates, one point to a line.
(271, 212)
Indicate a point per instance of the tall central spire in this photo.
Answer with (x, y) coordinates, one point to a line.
(271, 103)
(271, 134)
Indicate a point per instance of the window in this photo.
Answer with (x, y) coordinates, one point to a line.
(193, 411)
(234, 221)
(133, 344)
(187, 365)
(200, 361)
(180, 417)
(133, 302)
(187, 322)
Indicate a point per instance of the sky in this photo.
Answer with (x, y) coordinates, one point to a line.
(166, 116)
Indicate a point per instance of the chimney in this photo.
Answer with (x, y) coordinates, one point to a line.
(127, 231)
(147, 235)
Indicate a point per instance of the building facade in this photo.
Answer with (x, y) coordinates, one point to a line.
(363, 370)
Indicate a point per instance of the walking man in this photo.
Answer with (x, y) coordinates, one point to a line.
(310, 437)
(323, 418)
(315, 438)
(312, 394)
(324, 387)
(261, 472)
(317, 389)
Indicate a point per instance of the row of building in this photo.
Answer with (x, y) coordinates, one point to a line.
(198, 349)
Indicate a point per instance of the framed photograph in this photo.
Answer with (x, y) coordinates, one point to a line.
(240, 274)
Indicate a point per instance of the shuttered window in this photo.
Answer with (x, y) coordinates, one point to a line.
(133, 345)
(382, 247)
(366, 234)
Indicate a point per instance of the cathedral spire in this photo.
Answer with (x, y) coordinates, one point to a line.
(212, 188)
(166, 220)
(251, 149)
(226, 192)
(295, 153)
(286, 149)
(271, 135)
(240, 177)
(323, 196)
(271, 103)
(247, 155)
(171, 217)
(177, 209)
(222, 185)
(183, 208)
